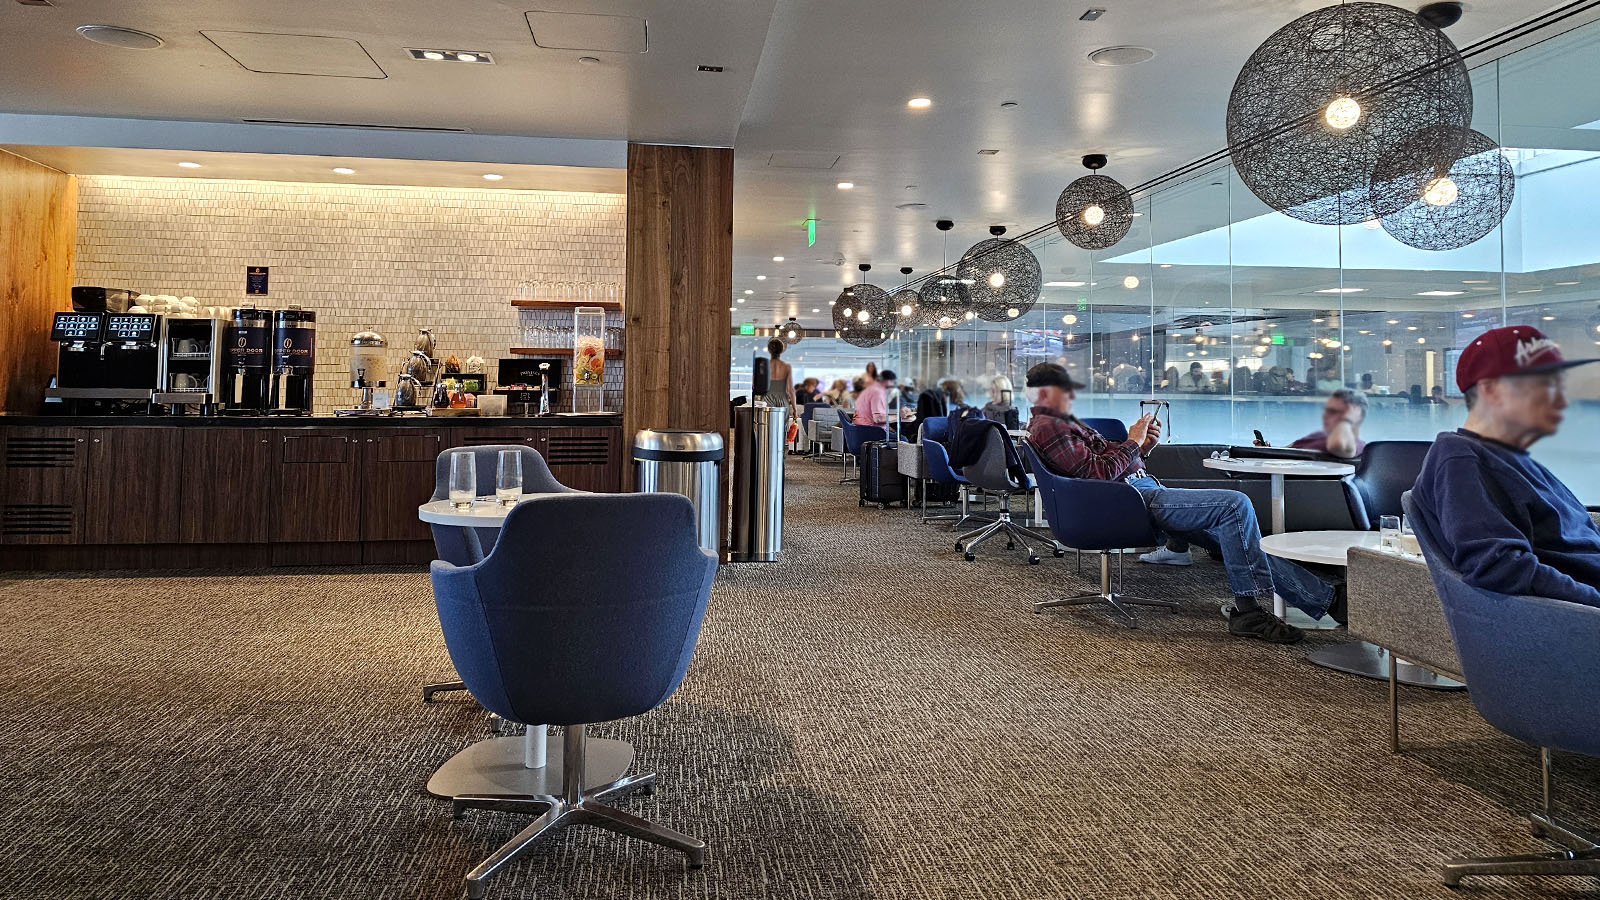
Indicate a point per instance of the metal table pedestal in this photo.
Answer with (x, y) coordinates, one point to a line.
(1372, 661)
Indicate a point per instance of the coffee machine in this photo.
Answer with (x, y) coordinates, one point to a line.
(294, 353)
(247, 366)
(106, 362)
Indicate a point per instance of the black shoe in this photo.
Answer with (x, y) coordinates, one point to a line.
(1262, 625)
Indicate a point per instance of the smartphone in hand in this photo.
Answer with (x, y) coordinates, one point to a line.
(1260, 441)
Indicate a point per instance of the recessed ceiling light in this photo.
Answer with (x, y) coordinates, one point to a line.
(761, 278)
(439, 54)
(1475, 281)
(1530, 291)
(1411, 328)
(987, 152)
(1341, 290)
(846, 185)
(342, 170)
(188, 165)
(589, 60)
(1121, 56)
(1566, 283)
(1166, 265)
(466, 57)
(1468, 315)
(777, 259)
(1440, 293)
(747, 292)
(432, 54)
(919, 103)
(491, 176)
(1393, 322)
(741, 299)
(1548, 318)
(732, 308)
(116, 36)
(816, 310)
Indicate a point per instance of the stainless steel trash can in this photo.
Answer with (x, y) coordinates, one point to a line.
(675, 461)
(759, 434)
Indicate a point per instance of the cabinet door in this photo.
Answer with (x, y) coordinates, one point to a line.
(589, 459)
(227, 485)
(132, 485)
(396, 479)
(317, 494)
(43, 485)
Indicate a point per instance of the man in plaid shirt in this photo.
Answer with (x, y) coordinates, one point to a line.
(1223, 520)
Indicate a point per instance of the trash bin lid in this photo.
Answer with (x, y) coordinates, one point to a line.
(677, 445)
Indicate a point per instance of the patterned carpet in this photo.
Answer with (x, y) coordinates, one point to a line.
(873, 717)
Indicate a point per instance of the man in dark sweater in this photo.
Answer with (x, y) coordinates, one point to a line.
(1505, 522)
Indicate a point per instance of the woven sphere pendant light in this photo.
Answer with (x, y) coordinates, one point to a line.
(1458, 196)
(790, 332)
(907, 306)
(872, 320)
(844, 309)
(1327, 96)
(1094, 212)
(1004, 276)
(945, 300)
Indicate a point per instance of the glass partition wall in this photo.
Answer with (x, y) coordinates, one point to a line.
(1245, 318)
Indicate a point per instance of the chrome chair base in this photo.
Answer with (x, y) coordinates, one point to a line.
(1014, 533)
(1118, 602)
(573, 798)
(440, 687)
(1581, 856)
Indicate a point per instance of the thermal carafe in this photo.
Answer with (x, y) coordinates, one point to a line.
(247, 367)
(294, 352)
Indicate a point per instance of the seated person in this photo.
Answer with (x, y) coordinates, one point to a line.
(1223, 519)
(1438, 396)
(1327, 381)
(872, 407)
(1504, 521)
(806, 392)
(938, 402)
(1195, 381)
(1342, 416)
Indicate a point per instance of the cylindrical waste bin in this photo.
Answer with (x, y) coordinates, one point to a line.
(758, 441)
(675, 461)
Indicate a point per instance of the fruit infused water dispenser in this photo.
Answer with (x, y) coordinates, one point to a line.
(588, 359)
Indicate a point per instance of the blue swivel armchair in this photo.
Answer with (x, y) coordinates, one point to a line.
(1531, 668)
(855, 436)
(1110, 429)
(461, 546)
(937, 460)
(1386, 470)
(1100, 517)
(605, 631)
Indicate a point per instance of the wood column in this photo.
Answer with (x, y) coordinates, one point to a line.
(680, 276)
(38, 234)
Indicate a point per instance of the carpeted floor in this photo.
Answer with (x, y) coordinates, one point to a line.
(873, 717)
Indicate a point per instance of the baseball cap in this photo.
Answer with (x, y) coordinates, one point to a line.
(1512, 350)
(1051, 375)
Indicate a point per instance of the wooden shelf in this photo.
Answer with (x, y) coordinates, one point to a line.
(611, 352)
(563, 304)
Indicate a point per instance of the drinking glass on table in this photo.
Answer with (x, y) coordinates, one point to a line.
(508, 478)
(463, 480)
(1389, 533)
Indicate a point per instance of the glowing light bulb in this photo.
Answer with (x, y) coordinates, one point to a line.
(1342, 113)
(906, 310)
(1440, 192)
(1013, 312)
(1069, 319)
(1093, 215)
(848, 312)
(864, 317)
(971, 315)
(1131, 282)
(997, 280)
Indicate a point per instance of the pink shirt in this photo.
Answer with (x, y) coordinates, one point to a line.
(872, 407)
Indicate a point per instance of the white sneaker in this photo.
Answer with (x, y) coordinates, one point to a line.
(1165, 557)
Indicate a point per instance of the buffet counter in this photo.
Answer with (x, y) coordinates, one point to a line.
(137, 492)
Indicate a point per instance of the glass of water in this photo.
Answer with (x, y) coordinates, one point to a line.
(1389, 533)
(463, 479)
(508, 478)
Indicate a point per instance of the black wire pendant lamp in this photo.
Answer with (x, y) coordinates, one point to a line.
(790, 332)
(1460, 183)
(946, 299)
(869, 320)
(1095, 211)
(1327, 96)
(1004, 277)
(907, 305)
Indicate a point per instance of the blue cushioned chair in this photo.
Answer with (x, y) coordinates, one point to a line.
(1385, 470)
(1110, 429)
(936, 428)
(462, 546)
(999, 471)
(604, 631)
(1101, 517)
(937, 460)
(854, 437)
(1533, 673)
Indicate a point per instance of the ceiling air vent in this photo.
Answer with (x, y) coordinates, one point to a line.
(803, 159)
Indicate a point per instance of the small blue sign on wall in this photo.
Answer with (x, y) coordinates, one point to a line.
(255, 280)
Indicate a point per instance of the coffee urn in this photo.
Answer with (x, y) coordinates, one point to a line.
(247, 367)
(294, 352)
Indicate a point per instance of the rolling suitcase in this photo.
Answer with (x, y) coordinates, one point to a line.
(881, 481)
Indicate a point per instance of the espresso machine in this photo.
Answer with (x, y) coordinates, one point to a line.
(247, 367)
(294, 354)
(106, 362)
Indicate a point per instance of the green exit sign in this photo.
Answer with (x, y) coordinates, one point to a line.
(747, 328)
(1083, 304)
(1277, 339)
(811, 232)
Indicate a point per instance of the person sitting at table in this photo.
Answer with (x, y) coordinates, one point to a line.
(807, 392)
(1503, 520)
(1220, 518)
(937, 402)
(1195, 381)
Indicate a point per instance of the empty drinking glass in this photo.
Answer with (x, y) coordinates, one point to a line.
(508, 478)
(463, 479)
(1389, 533)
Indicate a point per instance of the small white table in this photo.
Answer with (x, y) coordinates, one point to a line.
(1279, 469)
(1329, 548)
(485, 512)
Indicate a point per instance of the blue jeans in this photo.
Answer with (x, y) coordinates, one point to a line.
(1301, 587)
(1221, 519)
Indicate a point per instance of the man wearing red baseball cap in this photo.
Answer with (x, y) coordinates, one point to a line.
(1507, 524)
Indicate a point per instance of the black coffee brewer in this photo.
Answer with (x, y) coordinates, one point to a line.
(107, 362)
(294, 352)
(247, 366)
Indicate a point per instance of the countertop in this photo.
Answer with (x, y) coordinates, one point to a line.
(557, 421)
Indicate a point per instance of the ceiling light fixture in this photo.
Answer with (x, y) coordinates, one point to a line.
(919, 103)
(1065, 283)
(343, 170)
(439, 55)
(1440, 293)
(777, 259)
(749, 292)
(433, 55)
(1094, 212)
(188, 165)
(1130, 282)
(846, 185)
(491, 176)
(1121, 56)
(761, 278)
(1341, 290)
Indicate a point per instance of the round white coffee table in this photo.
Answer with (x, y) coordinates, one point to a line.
(485, 512)
(1368, 660)
(1279, 469)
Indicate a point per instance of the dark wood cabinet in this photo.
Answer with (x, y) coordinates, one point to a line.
(132, 485)
(42, 500)
(317, 497)
(228, 480)
(398, 477)
(589, 459)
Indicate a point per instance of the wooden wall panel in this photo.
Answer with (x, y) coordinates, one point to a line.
(38, 231)
(680, 276)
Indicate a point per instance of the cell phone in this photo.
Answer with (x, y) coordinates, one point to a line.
(1259, 439)
(1166, 427)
